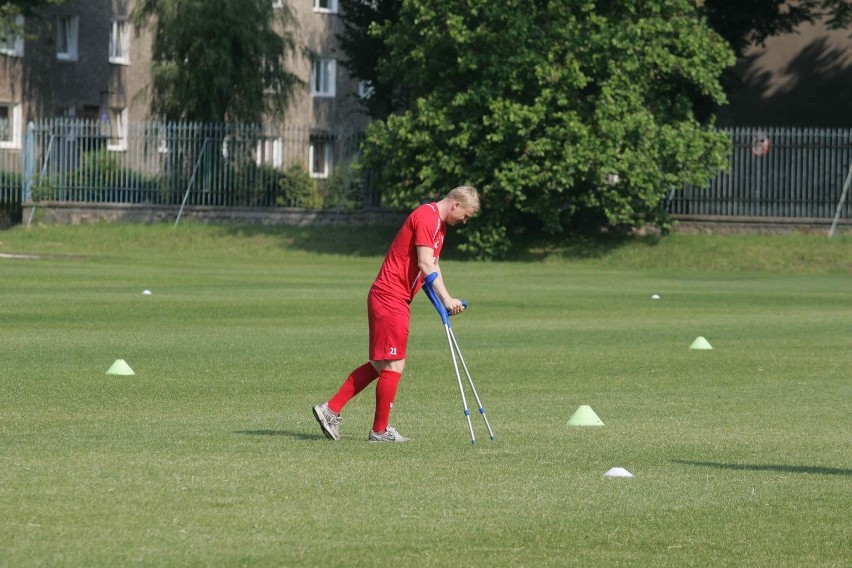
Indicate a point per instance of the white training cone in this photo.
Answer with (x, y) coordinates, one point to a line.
(655, 296)
(617, 472)
(700, 343)
(120, 367)
(146, 292)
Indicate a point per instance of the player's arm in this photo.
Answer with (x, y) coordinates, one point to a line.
(427, 264)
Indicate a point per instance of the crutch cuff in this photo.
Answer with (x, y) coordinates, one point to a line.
(430, 293)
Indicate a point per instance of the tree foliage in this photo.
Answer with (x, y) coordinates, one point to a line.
(218, 60)
(542, 104)
(11, 9)
(361, 39)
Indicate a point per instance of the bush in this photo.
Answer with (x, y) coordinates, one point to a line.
(344, 189)
(102, 172)
(298, 189)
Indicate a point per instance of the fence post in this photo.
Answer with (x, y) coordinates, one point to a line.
(840, 203)
(28, 164)
(191, 181)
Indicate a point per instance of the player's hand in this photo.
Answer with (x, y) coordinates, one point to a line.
(454, 307)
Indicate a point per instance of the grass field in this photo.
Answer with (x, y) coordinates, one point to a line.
(209, 455)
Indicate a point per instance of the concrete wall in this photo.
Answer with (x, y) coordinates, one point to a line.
(80, 213)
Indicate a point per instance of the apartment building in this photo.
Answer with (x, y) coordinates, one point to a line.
(84, 59)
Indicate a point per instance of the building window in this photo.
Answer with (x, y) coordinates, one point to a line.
(320, 157)
(270, 87)
(163, 140)
(67, 111)
(10, 125)
(365, 89)
(117, 129)
(12, 42)
(323, 72)
(327, 6)
(119, 42)
(66, 38)
(270, 152)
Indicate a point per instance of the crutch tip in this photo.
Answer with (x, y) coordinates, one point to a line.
(493, 438)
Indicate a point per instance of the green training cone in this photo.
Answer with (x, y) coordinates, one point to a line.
(120, 367)
(585, 416)
(700, 343)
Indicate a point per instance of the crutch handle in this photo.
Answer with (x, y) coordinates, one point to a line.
(430, 293)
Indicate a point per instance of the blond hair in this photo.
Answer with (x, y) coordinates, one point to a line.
(466, 195)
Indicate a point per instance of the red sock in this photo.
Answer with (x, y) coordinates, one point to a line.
(385, 393)
(354, 383)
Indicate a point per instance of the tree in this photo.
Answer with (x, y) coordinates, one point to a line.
(218, 60)
(555, 110)
(11, 9)
(361, 40)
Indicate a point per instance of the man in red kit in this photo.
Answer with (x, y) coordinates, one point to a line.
(412, 256)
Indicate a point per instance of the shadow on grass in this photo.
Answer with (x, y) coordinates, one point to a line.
(779, 468)
(373, 241)
(574, 246)
(287, 433)
(321, 239)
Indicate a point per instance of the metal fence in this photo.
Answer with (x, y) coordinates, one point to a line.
(172, 163)
(11, 182)
(776, 172)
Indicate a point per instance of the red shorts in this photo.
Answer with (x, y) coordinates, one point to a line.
(388, 318)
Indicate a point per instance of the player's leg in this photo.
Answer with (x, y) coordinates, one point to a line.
(354, 383)
(328, 413)
(389, 324)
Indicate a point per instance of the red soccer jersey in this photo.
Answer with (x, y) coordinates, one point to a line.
(399, 275)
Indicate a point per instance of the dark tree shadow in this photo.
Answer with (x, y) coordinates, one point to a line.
(814, 89)
(819, 470)
(367, 240)
(373, 241)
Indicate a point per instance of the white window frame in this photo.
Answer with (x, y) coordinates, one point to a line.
(117, 130)
(162, 141)
(15, 126)
(316, 169)
(330, 9)
(16, 39)
(70, 26)
(267, 90)
(270, 152)
(324, 77)
(119, 42)
(365, 89)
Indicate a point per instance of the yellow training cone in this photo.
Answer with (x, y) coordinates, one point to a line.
(700, 343)
(120, 367)
(585, 416)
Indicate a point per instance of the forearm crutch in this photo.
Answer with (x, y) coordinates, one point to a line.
(456, 350)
